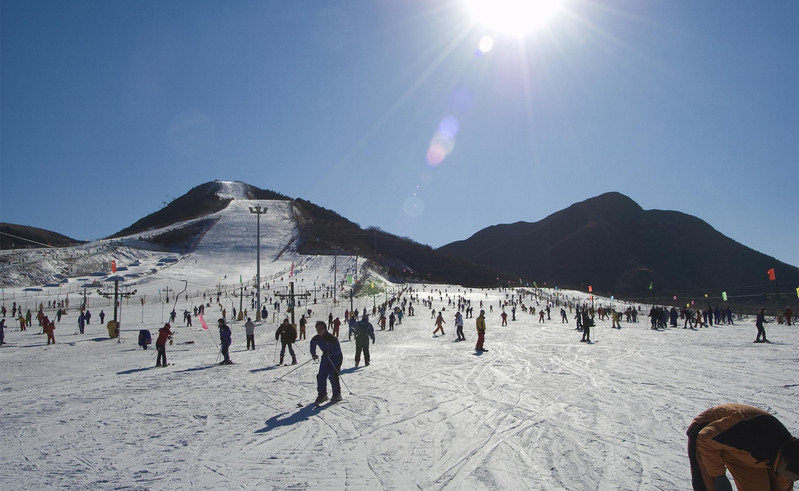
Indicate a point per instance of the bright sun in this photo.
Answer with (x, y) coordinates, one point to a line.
(516, 17)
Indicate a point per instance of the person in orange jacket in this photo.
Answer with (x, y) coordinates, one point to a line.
(49, 327)
(752, 444)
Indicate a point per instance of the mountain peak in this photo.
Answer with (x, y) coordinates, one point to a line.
(611, 203)
(200, 201)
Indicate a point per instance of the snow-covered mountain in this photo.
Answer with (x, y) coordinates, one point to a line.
(199, 223)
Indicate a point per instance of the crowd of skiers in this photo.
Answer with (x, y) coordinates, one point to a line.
(392, 312)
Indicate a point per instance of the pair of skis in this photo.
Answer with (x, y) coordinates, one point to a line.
(326, 402)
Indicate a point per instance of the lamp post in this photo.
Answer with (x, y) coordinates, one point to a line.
(258, 211)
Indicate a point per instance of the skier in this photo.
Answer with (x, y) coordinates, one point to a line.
(287, 335)
(2, 331)
(587, 323)
(481, 331)
(144, 338)
(249, 330)
(616, 317)
(49, 327)
(752, 444)
(164, 334)
(759, 321)
(363, 330)
(303, 323)
(336, 326)
(459, 326)
(439, 324)
(329, 366)
(225, 340)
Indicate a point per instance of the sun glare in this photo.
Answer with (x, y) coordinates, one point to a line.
(515, 17)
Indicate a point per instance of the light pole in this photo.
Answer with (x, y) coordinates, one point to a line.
(258, 211)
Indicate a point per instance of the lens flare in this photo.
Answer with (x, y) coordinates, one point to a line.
(486, 44)
(413, 206)
(443, 141)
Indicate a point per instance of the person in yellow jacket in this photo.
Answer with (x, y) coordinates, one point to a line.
(481, 331)
(753, 445)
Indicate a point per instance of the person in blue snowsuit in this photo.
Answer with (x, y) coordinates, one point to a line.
(224, 338)
(351, 323)
(329, 365)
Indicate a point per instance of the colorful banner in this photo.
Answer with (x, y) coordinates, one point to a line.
(771, 275)
(202, 321)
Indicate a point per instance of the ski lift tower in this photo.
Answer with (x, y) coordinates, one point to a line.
(291, 296)
(116, 294)
(258, 211)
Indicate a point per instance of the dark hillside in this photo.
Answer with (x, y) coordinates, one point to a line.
(24, 237)
(611, 243)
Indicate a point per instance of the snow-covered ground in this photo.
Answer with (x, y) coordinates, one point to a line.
(539, 410)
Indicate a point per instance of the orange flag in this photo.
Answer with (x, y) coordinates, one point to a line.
(771, 275)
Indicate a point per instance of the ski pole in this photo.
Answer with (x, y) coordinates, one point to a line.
(338, 374)
(241, 344)
(295, 368)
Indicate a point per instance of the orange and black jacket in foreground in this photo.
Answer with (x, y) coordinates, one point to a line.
(743, 439)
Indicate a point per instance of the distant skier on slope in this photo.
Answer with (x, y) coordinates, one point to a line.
(49, 327)
(439, 324)
(587, 323)
(249, 331)
(363, 330)
(459, 326)
(480, 323)
(164, 334)
(329, 365)
(225, 340)
(287, 335)
(761, 331)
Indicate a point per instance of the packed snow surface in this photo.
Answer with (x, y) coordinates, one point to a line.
(538, 410)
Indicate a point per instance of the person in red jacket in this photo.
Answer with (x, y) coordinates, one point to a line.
(164, 334)
(752, 444)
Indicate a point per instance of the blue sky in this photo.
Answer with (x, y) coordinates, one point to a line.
(387, 112)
